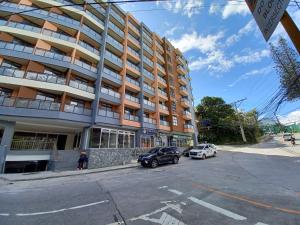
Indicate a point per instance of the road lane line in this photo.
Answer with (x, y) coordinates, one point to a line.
(162, 187)
(217, 209)
(61, 210)
(259, 223)
(4, 214)
(175, 191)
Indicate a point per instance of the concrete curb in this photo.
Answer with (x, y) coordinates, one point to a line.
(41, 176)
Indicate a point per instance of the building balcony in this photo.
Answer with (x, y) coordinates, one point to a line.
(89, 47)
(44, 81)
(163, 95)
(133, 55)
(114, 45)
(148, 89)
(33, 108)
(149, 106)
(187, 115)
(91, 33)
(132, 84)
(97, 6)
(185, 103)
(132, 101)
(110, 96)
(131, 120)
(183, 91)
(180, 60)
(162, 81)
(160, 58)
(163, 109)
(133, 28)
(108, 117)
(111, 77)
(113, 60)
(181, 70)
(134, 41)
(149, 76)
(164, 125)
(148, 63)
(149, 123)
(182, 80)
(161, 69)
(148, 50)
(116, 30)
(159, 47)
(188, 128)
(133, 69)
(147, 37)
(117, 17)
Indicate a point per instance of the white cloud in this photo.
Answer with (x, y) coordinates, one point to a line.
(235, 8)
(171, 31)
(248, 28)
(197, 41)
(214, 8)
(252, 57)
(263, 71)
(186, 7)
(290, 118)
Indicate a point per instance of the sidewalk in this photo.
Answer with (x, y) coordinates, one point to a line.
(49, 174)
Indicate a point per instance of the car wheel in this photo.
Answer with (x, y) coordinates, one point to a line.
(143, 165)
(215, 154)
(175, 160)
(203, 156)
(154, 163)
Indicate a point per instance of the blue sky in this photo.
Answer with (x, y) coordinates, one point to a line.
(227, 54)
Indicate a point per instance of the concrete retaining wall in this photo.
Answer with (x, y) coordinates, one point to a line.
(64, 160)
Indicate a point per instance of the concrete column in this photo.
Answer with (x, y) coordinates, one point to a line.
(9, 129)
(85, 137)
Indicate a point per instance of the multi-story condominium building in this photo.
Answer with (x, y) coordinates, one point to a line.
(79, 75)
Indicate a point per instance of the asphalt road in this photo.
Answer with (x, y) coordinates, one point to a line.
(233, 188)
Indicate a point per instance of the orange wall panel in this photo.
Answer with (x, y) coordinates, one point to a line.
(16, 18)
(6, 37)
(35, 67)
(43, 45)
(56, 10)
(25, 92)
(26, 2)
(50, 26)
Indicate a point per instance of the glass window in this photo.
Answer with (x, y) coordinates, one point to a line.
(104, 138)
(45, 97)
(120, 140)
(113, 139)
(10, 64)
(126, 140)
(76, 102)
(5, 92)
(174, 106)
(95, 138)
(132, 141)
(175, 121)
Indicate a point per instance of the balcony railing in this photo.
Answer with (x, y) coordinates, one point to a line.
(133, 27)
(181, 67)
(146, 86)
(187, 113)
(149, 120)
(29, 103)
(115, 43)
(91, 32)
(109, 114)
(117, 17)
(34, 144)
(23, 26)
(110, 92)
(147, 37)
(95, 17)
(59, 36)
(162, 79)
(113, 58)
(148, 61)
(81, 86)
(188, 126)
(182, 77)
(10, 72)
(164, 123)
(133, 66)
(148, 74)
(96, 6)
(116, 29)
(112, 73)
(89, 47)
(186, 101)
(45, 78)
(134, 39)
(78, 110)
(158, 45)
(147, 102)
(149, 50)
(85, 65)
(182, 88)
(162, 92)
(131, 117)
(133, 52)
(163, 107)
(131, 98)
(160, 67)
(160, 57)
(132, 81)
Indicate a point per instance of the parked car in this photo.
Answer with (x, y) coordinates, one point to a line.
(158, 156)
(287, 136)
(203, 151)
(186, 152)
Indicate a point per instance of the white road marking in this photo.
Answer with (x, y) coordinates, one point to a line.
(4, 214)
(183, 203)
(259, 223)
(61, 210)
(175, 191)
(162, 187)
(218, 209)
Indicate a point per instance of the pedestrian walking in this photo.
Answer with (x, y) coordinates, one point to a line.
(82, 161)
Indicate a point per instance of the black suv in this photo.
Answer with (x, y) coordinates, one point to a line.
(159, 155)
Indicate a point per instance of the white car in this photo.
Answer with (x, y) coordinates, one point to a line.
(203, 151)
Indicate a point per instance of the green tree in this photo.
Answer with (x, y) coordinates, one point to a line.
(288, 67)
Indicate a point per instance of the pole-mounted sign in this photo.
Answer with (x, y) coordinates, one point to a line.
(267, 14)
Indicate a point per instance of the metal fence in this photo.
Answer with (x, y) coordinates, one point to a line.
(33, 145)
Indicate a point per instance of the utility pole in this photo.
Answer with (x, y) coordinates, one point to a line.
(239, 119)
